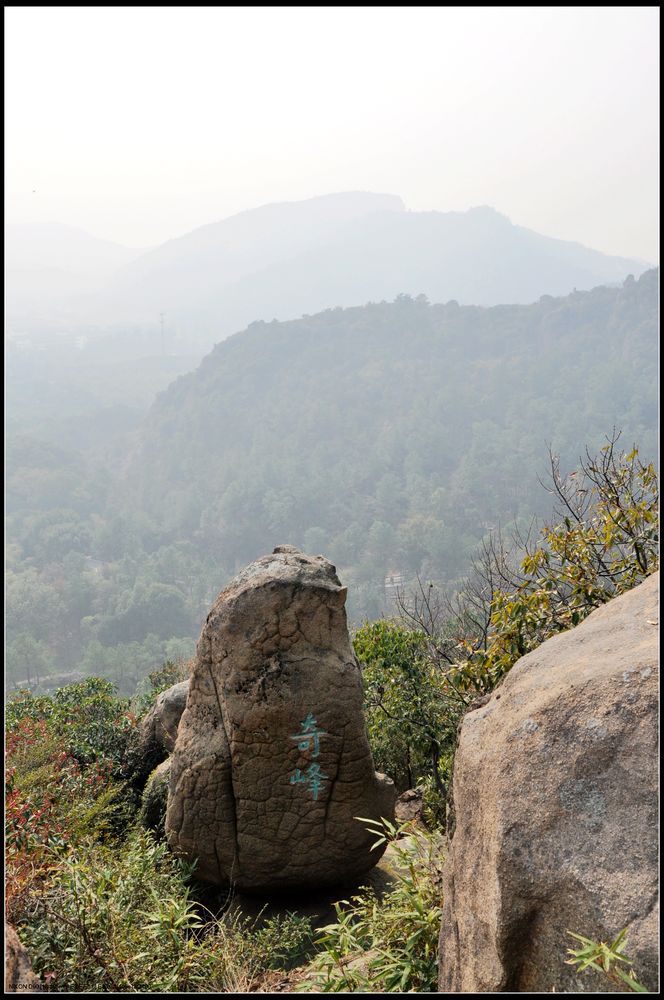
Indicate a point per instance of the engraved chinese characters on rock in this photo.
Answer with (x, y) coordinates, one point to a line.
(276, 694)
(308, 741)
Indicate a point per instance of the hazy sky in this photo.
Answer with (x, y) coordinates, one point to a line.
(140, 123)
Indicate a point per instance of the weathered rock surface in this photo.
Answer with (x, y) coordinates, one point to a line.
(158, 731)
(272, 762)
(155, 798)
(19, 977)
(555, 789)
(161, 723)
(409, 807)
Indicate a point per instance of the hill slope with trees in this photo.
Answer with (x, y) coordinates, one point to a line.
(392, 436)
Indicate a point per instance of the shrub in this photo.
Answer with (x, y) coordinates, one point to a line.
(387, 945)
(124, 920)
(62, 753)
(603, 541)
(411, 708)
(607, 959)
(89, 720)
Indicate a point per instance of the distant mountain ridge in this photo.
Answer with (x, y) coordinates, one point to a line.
(476, 257)
(288, 259)
(50, 266)
(282, 261)
(35, 246)
(214, 256)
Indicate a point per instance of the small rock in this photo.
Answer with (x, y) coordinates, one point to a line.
(409, 806)
(158, 731)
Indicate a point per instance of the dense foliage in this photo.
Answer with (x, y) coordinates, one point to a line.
(101, 905)
(100, 902)
(64, 758)
(124, 919)
(391, 437)
(412, 708)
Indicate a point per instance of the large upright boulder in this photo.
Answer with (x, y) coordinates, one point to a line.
(272, 762)
(555, 791)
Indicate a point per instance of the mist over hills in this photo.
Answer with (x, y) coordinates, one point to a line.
(476, 257)
(206, 260)
(284, 260)
(54, 245)
(51, 266)
(392, 435)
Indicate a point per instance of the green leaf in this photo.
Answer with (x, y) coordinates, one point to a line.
(633, 984)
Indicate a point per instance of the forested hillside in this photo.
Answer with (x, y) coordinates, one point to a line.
(390, 437)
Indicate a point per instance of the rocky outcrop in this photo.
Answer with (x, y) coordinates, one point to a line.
(555, 790)
(161, 723)
(156, 737)
(154, 800)
(19, 977)
(272, 763)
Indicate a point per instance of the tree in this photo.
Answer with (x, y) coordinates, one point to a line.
(28, 660)
(412, 709)
(604, 541)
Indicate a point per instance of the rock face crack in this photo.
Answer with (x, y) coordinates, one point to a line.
(267, 798)
(333, 783)
(236, 856)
